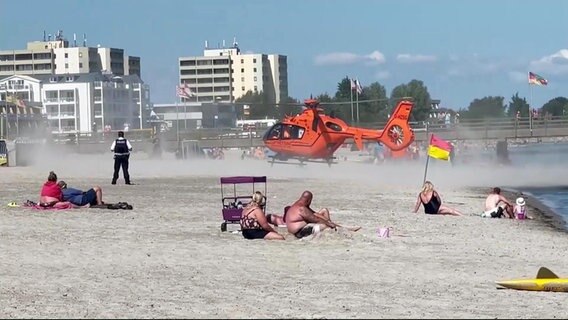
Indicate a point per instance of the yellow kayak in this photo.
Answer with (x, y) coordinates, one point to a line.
(545, 280)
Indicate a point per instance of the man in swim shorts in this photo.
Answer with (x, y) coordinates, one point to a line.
(497, 206)
(302, 221)
(93, 196)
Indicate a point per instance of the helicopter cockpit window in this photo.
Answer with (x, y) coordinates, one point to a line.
(292, 132)
(333, 126)
(274, 133)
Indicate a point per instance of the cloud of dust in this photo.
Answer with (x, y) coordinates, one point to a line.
(405, 174)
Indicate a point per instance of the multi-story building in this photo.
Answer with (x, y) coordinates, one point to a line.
(225, 74)
(58, 56)
(83, 102)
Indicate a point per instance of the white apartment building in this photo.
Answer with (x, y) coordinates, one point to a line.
(58, 56)
(225, 74)
(83, 102)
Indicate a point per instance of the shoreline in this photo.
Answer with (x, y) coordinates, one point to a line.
(542, 212)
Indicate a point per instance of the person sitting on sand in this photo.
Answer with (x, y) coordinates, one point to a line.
(520, 209)
(497, 206)
(253, 221)
(93, 196)
(302, 221)
(50, 194)
(432, 202)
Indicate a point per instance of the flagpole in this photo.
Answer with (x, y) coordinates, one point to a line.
(177, 123)
(357, 103)
(530, 106)
(427, 159)
(351, 95)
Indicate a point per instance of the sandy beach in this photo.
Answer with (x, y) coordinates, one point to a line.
(167, 258)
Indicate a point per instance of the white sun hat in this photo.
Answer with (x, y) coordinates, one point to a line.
(520, 201)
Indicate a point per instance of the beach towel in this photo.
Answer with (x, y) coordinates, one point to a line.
(57, 206)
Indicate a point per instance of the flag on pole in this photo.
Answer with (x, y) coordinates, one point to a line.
(353, 85)
(358, 86)
(439, 148)
(183, 91)
(536, 79)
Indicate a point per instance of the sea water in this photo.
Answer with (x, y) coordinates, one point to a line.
(554, 154)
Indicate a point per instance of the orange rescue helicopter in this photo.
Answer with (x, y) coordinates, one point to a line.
(313, 136)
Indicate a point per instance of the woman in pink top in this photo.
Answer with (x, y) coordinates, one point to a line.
(50, 192)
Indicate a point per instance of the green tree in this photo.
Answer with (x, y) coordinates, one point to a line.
(259, 103)
(487, 107)
(518, 104)
(342, 100)
(416, 90)
(376, 110)
(290, 106)
(556, 107)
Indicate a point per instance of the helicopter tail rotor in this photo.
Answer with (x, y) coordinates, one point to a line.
(397, 134)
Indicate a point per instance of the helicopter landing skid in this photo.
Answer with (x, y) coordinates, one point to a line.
(302, 161)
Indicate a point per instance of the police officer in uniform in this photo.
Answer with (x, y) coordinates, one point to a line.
(121, 148)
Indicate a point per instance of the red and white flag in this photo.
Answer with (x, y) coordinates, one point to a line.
(353, 85)
(184, 91)
(359, 88)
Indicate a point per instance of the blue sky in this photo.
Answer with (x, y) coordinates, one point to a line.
(462, 50)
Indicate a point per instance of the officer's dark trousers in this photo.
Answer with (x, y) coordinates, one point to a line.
(121, 161)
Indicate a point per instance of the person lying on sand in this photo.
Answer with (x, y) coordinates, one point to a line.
(497, 206)
(253, 221)
(432, 202)
(50, 194)
(302, 221)
(93, 196)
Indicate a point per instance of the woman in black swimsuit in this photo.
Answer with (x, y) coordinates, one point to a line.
(432, 202)
(253, 221)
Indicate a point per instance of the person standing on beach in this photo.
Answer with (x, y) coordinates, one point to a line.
(121, 148)
(497, 206)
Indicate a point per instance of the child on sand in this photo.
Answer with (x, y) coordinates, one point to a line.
(520, 209)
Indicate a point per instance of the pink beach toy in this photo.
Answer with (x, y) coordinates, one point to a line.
(384, 232)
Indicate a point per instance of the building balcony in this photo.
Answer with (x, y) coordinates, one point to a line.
(51, 100)
(14, 87)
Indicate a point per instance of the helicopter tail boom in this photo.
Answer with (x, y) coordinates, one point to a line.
(397, 133)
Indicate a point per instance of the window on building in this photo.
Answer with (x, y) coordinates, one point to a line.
(254, 70)
(69, 79)
(242, 70)
(255, 88)
(66, 55)
(80, 64)
(243, 79)
(80, 54)
(66, 66)
(243, 88)
(242, 60)
(254, 78)
(53, 79)
(254, 60)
